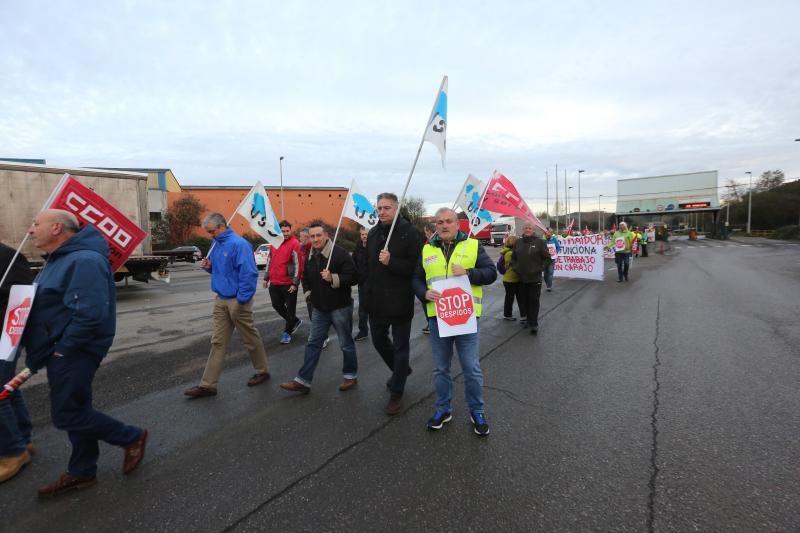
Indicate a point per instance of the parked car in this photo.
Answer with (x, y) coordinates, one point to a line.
(261, 255)
(183, 253)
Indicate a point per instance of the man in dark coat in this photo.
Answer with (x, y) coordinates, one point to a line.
(70, 328)
(529, 259)
(360, 260)
(390, 298)
(15, 422)
(330, 289)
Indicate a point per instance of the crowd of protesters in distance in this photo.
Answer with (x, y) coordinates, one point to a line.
(72, 322)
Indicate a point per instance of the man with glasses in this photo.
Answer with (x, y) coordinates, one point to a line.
(233, 278)
(390, 298)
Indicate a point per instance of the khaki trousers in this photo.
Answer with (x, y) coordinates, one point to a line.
(229, 315)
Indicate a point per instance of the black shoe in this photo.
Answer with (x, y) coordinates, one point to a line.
(534, 330)
(426, 330)
(439, 419)
(619, 280)
(626, 278)
(509, 318)
(479, 424)
(360, 337)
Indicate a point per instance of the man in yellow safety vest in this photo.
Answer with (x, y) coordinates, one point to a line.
(453, 253)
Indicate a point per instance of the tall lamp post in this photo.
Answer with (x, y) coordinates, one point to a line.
(566, 222)
(749, 201)
(280, 163)
(600, 225)
(580, 227)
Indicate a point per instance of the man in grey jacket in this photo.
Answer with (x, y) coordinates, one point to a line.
(529, 259)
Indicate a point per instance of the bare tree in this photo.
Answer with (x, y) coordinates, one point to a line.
(769, 180)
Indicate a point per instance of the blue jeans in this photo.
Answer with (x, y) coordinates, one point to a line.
(15, 422)
(468, 355)
(321, 322)
(70, 379)
(548, 274)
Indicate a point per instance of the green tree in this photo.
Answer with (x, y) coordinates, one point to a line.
(183, 216)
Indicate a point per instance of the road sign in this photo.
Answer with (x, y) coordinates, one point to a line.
(455, 310)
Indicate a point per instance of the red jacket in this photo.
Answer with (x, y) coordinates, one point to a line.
(285, 263)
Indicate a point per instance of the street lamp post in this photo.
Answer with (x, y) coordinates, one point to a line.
(580, 227)
(566, 222)
(280, 163)
(600, 224)
(749, 201)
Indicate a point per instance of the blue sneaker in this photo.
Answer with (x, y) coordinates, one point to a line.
(479, 424)
(286, 338)
(296, 326)
(439, 419)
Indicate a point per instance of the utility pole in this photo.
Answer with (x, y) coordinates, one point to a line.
(749, 201)
(566, 200)
(600, 224)
(547, 193)
(283, 213)
(580, 228)
(555, 207)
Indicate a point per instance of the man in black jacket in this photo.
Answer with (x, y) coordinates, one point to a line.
(390, 298)
(330, 292)
(360, 260)
(15, 423)
(529, 259)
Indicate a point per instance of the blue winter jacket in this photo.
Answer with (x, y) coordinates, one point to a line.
(74, 311)
(233, 267)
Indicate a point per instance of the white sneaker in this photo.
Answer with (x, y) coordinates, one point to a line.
(325, 342)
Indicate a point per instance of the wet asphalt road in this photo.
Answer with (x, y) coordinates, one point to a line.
(669, 403)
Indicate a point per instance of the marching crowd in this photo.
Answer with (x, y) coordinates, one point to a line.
(72, 322)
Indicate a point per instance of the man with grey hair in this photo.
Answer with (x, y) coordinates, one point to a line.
(390, 298)
(233, 278)
(70, 328)
(530, 259)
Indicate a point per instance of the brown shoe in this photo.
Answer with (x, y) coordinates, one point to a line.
(66, 483)
(10, 466)
(134, 454)
(395, 405)
(348, 384)
(294, 386)
(200, 392)
(257, 379)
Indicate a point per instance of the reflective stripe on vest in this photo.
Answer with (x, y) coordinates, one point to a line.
(433, 261)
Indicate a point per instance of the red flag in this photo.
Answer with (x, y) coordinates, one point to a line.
(122, 234)
(502, 197)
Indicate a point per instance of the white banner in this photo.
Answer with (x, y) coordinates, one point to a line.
(20, 300)
(257, 210)
(580, 257)
(455, 311)
(436, 132)
(358, 208)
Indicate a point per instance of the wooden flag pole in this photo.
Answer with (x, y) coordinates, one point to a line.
(416, 158)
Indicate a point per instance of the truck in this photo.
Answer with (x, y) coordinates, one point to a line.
(25, 188)
(502, 228)
(482, 236)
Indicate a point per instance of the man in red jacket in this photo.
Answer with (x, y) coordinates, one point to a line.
(282, 275)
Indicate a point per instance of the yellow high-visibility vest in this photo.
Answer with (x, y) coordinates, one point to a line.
(436, 267)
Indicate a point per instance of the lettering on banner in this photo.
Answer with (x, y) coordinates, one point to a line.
(455, 306)
(88, 213)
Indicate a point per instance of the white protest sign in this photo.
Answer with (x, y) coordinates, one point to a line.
(455, 311)
(20, 300)
(580, 257)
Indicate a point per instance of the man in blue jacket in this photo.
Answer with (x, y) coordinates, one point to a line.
(233, 278)
(70, 328)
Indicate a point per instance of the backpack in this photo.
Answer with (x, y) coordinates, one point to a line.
(501, 264)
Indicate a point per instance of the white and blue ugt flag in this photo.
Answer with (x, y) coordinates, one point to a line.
(469, 200)
(437, 125)
(257, 210)
(358, 208)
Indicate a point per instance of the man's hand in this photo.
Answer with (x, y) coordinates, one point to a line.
(326, 275)
(265, 283)
(459, 270)
(432, 295)
(292, 289)
(205, 263)
(383, 257)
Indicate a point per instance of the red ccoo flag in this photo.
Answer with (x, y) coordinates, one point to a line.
(122, 235)
(502, 197)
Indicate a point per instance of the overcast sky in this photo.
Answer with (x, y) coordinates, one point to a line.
(218, 91)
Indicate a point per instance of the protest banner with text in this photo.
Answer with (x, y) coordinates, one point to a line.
(580, 257)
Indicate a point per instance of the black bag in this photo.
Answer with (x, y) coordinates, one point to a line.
(501, 264)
